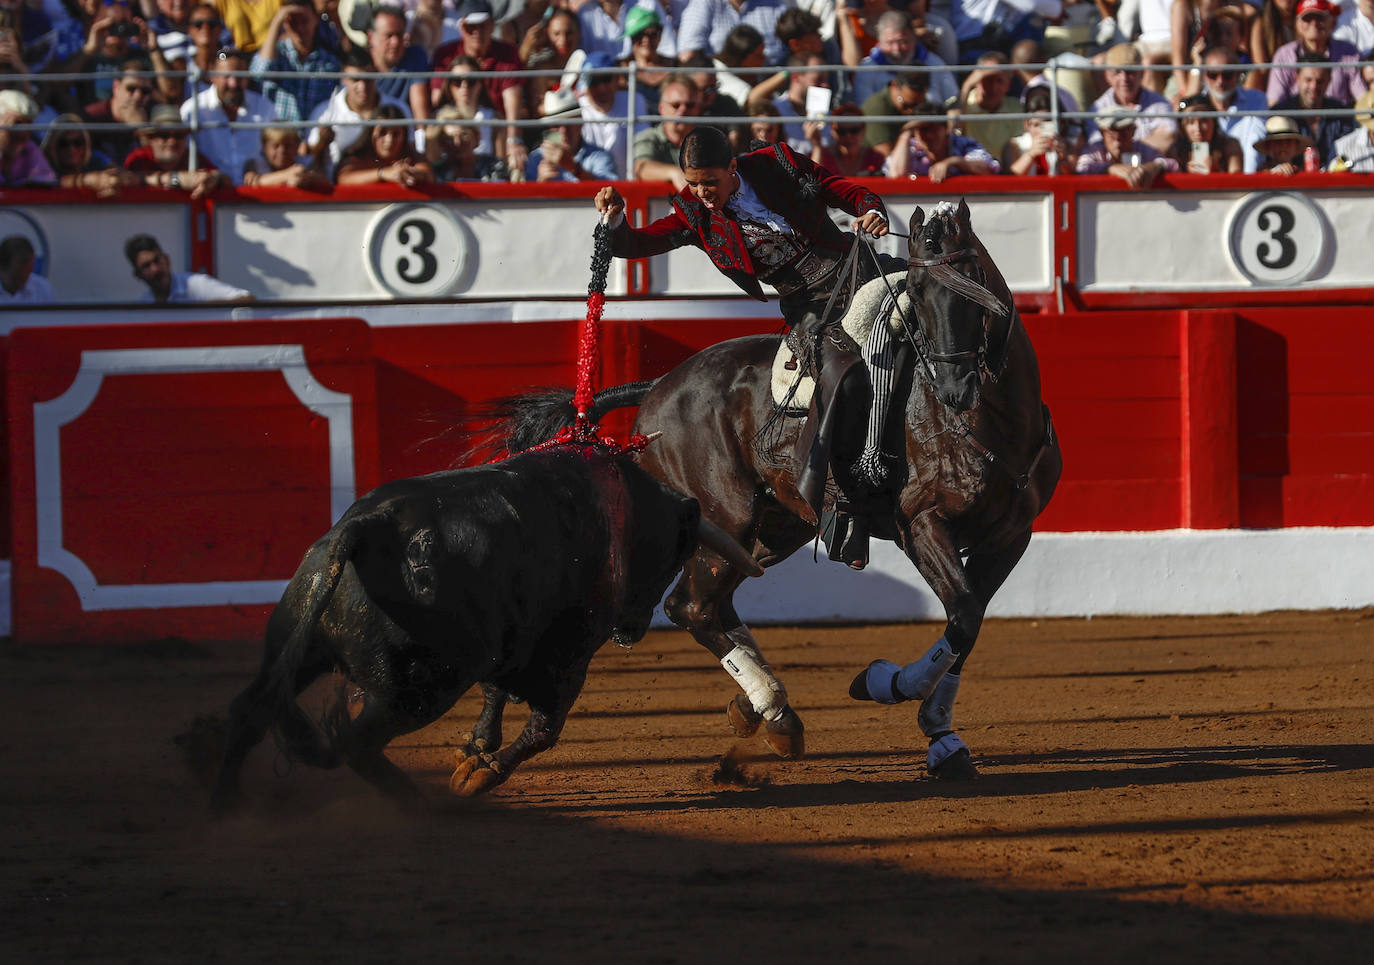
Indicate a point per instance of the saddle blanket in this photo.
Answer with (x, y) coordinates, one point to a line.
(792, 388)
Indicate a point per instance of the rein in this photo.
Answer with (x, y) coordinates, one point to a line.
(920, 342)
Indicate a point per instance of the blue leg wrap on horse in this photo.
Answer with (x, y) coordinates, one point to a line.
(877, 682)
(888, 683)
(917, 679)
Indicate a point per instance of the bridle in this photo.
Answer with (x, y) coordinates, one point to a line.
(975, 290)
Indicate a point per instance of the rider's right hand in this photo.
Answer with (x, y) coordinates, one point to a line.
(609, 202)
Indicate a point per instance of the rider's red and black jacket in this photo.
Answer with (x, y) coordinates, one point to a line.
(786, 183)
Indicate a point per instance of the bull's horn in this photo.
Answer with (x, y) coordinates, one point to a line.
(724, 545)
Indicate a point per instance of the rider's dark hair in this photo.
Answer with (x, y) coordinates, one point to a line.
(705, 147)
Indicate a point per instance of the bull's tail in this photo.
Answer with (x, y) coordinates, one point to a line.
(298, 664)
(524, 421)
(289, 666)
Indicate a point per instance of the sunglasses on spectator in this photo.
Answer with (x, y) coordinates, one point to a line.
(166, 135)
(652, 36)
(681, 105)
(139, 89)
(204, 22)
(467, 81)
(68, 143)
(849, 130)
(1219, 74)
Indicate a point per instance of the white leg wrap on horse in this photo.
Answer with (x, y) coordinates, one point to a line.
(755, 678)
(917, 679)
(943, 749)
(937, 712)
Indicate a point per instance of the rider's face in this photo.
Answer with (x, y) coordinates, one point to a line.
(712, 186)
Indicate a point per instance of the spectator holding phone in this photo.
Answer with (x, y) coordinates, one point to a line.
(110, 41)
(562, 156)
(848, 156)
(1119, 154)
(1202, 146)
(926, 146)
(1045, 146)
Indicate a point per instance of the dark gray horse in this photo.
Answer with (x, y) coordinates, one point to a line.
(977, 461)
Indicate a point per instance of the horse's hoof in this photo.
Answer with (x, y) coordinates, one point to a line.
(786, 735)
(472, 777)
(958, 766)
(744, 719)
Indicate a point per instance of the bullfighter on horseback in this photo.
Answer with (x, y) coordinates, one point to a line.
(762, 217)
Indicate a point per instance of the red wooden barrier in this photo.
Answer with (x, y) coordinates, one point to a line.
(166, 477)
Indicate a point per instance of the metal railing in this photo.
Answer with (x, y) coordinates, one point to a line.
(630, 120)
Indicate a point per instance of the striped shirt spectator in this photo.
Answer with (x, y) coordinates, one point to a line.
(296, 42)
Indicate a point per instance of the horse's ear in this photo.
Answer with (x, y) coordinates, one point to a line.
(918, 218)
(963, 213)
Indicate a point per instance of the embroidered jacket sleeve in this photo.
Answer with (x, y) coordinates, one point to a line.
(836, 191)
(669, 232)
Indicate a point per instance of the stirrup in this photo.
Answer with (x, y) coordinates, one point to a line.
(845, 536)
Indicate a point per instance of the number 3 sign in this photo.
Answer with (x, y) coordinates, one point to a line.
(416, 250)
(1277, 238)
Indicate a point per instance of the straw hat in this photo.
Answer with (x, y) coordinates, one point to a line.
(1279, 128)
(561, 103)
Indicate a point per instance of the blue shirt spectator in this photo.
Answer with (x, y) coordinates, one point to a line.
(706, 23)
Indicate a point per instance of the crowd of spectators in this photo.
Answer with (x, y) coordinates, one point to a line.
(281, 92)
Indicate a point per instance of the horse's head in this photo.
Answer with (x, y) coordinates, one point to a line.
(945, 279)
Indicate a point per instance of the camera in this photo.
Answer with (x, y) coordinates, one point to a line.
(125, 28)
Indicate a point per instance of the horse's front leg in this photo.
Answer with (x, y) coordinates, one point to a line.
(986, 572)
(934, 677)
(703, 604)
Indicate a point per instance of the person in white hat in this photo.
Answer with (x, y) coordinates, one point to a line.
(563, 156)
(21, 162)
(1282, 146)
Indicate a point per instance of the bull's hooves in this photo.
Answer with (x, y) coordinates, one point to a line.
(744, 720)
(472, 778)
(786, 735)
(958, 766)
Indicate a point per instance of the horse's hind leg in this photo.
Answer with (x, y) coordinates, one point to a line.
(703, 604)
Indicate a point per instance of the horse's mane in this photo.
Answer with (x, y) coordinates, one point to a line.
(944, 224)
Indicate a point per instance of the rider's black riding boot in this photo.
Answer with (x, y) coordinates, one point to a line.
(845, 534)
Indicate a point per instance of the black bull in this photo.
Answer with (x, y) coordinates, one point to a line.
(511, 575)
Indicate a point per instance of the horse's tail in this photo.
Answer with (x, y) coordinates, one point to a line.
(525, 420)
